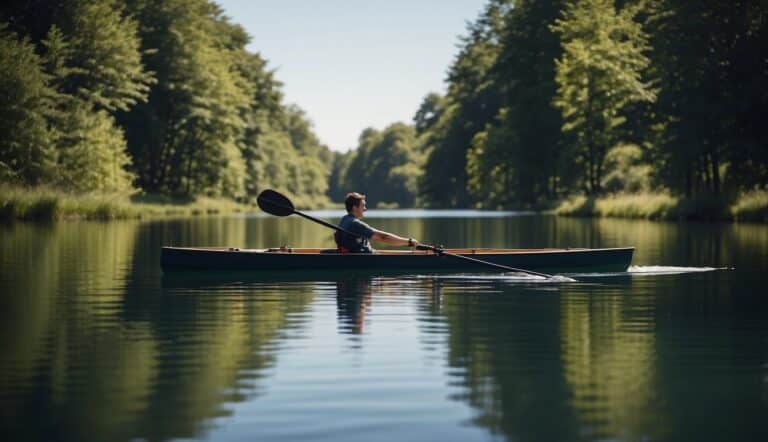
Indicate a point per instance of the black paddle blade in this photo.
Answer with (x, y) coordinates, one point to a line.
(275, 203)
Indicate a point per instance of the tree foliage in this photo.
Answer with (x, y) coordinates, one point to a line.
(386, 166)
(543, 98)
(161, 95)
(518, 157)
(88, 65)
(26, 153)
(551, 97)
(710, 63)
(472, 101)
(598, 76)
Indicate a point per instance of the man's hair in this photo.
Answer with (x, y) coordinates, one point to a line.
(353, 199)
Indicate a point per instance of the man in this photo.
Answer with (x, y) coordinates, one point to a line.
(355, 204)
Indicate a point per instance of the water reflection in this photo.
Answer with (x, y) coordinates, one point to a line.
(609, 359)
(503, 352)
(96, 344)
(353, 298)
(92, 351)
(216, 344)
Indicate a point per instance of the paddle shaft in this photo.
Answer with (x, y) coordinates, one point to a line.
(488, 263)
(326, 224)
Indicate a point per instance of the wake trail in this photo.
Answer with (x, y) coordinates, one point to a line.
(653, 270)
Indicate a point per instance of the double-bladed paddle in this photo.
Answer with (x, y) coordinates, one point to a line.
(275, 203)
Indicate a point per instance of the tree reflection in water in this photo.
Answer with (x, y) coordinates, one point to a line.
(96, 344)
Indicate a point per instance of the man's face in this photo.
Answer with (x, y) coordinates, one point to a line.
(359, 209)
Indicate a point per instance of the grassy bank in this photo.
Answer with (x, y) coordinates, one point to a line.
(750, 206)
(43, 204)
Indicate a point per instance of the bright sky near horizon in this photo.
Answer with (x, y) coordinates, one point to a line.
(355, 64)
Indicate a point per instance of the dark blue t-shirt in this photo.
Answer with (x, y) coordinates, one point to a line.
(355, 244)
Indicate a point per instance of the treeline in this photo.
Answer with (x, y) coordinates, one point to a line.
(385, 165)
(156, 95)
(549, 98)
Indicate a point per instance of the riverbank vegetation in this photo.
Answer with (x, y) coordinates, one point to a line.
(157, 97)
(589, 101)
(46, 204)
(750, 206)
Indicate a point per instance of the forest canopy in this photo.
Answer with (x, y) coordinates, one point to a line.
(160, 96)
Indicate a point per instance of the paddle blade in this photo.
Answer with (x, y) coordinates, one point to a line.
(275, 203)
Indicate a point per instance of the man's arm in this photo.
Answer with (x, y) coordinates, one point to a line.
(391, 238)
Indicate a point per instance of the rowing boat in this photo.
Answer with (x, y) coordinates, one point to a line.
(571, 260)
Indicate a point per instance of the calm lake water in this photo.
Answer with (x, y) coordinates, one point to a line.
(95, 344)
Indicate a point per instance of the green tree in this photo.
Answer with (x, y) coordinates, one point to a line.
(92, 68)
(385, 165)
(92, 55)
(472, 102)
(356, 175)
(278, 145)
(26, 153)
(303, 138)
(184, 139)
(491, 168)
(627, 170)
(92, 152)
(429, 112)
(518, 157)
(199, 112)
(709, 59)
(264, 116)
(337, 179)
(598, 75)
(104, 57)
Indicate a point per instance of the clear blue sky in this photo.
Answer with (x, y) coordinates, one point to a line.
(354, 64)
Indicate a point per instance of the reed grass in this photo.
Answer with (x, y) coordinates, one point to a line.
(45, 204)
(751, 206)
(648, 206)
(383, 205)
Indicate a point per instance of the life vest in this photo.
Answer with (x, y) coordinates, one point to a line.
(347, 243)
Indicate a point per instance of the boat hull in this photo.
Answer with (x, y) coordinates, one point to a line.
(174, 259)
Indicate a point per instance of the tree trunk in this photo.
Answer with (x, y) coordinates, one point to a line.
(715, 171)
(704, 167)
(189, 175)
(599, 171)
(553, 194)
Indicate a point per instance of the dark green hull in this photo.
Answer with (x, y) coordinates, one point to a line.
(541, 260)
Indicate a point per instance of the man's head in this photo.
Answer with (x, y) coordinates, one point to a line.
(355, 204)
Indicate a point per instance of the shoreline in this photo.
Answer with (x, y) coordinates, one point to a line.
(748, 207)
(44, 204)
